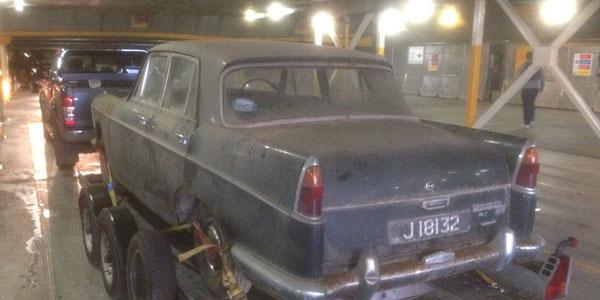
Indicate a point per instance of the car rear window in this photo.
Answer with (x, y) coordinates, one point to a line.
(267, 94)
(102, 61)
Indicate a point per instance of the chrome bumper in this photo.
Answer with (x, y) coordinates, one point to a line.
(368, 276)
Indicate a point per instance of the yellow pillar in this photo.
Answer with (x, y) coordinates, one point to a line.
(475, 64)
(5, 77)
(381, 43)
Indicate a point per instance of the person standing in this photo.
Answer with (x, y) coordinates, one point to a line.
(530, 90)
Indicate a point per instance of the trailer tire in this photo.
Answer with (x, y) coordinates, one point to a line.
(150, 267)
(116, 227)
(92, 199)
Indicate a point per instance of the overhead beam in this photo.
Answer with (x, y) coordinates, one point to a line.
(361, 30)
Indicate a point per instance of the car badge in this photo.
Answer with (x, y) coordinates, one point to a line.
(429, 186)
(436, 203)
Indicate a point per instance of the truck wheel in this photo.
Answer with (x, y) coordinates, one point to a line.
(210, 265)
(150, 267)
(66, 155)
(92, 199)
(116, 227)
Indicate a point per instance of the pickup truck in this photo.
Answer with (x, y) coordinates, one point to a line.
(76, 77)
(307, 170)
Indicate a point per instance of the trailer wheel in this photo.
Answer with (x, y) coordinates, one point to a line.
(210, 265)
(116, 227)
(92, 199)
(150, 267)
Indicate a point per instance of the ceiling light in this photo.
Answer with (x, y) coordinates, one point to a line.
(27, 54)
(19, 5)
(250, 15)
(557, 12)
(419, 11)
(449, 17)
(276, 11)
(322, 23)
(391, 21)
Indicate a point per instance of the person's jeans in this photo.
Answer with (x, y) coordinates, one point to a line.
(528, 97)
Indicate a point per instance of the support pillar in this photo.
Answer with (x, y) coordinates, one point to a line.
(5, 86)
(475, 62)
(381, 43)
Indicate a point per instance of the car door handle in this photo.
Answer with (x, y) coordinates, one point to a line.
(182, 138)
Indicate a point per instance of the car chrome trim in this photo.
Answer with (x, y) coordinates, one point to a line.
(369, 273)
(524, 190)
(399, 200)
(436, 203)
(310, 162)
(528, 144)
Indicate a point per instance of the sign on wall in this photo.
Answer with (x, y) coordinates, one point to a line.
(434, 62)
(582, 64)
(415, 55)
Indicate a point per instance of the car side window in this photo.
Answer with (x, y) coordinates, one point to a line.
(150, 88)
(177, 92)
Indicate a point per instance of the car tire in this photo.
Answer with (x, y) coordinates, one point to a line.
(210, 271)
(150, 267)
(92, 199)
(116, 227)
(66, 155)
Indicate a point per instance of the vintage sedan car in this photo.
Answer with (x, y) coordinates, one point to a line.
(306, 163)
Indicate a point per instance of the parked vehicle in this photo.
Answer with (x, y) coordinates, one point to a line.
(77, 76)
(307, 170)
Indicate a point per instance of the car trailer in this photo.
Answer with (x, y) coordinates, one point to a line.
(143, 242)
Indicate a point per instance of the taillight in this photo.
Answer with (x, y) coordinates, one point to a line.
(530, 167)
(68, 104)
(559, 284)
(311, 193)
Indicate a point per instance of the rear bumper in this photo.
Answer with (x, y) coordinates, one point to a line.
(368, 276)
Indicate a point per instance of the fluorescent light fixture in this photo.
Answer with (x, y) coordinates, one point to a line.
(250, 15)
(391, 21)
(322, 23)
(19, 5)
(449, 17)
(419, 11)
(276, 11)
(558, 12)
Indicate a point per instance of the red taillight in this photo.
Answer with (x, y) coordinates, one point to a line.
(311, 193)
(68, 101)
(530, 167)
(559, 283)
(68, 104)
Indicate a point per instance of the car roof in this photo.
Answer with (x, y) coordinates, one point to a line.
(230, 51)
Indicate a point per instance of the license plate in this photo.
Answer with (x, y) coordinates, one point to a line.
(430, 227)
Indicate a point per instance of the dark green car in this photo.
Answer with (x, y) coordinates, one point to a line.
(307, 162)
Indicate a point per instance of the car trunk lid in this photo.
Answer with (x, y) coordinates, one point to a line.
(386, 182)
